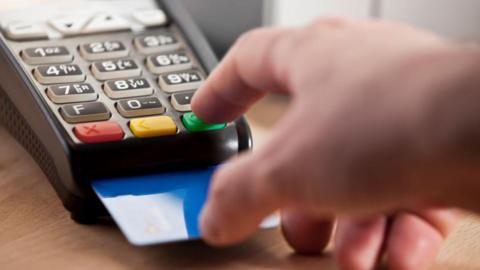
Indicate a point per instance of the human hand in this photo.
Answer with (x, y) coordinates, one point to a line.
(363, 140)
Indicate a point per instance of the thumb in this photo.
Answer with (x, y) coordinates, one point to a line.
(250, 187)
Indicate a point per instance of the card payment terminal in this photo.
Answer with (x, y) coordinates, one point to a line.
(99, 89)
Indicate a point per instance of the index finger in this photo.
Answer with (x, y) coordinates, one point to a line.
(247, 73)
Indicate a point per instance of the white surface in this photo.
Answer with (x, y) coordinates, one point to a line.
(288, 12)
(26, 30)
(105, 23)
(69, 25)
(148, 219)
(149, 18)
(459, 19)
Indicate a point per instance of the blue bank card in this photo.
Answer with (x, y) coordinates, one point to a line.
(159, 208)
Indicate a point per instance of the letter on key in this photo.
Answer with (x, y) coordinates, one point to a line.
(85, 112)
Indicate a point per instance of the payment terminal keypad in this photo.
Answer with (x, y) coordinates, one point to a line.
(117, 84)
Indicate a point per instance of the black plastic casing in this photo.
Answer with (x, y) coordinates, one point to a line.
(71, 167)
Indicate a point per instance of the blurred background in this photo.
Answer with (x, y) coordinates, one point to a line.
(223, 20)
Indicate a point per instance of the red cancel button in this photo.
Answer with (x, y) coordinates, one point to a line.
(99, 132)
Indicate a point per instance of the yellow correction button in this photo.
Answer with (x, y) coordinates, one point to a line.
(153, 126)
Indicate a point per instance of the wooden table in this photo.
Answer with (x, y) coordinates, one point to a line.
(37, 233)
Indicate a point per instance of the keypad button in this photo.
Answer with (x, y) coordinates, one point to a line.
(68, 26)
(99, 132)
(105, 22)
(163, 42)
(194, 124)
(26, 31)
(150, 17)
(103, 50)
(153, 126)
(127, 88)
(71, 93)
(46, 55)
(115, 69)
(169, 62)
(54, 74)
(180, 81)
(181, 101)
(85, 112)
(140, 107)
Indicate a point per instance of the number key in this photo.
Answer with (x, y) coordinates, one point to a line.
(140, 107)
(46, 55)
(115, 69)
(59, 74)
(168, 62)
(128, 88)
(163, 42)
(70, 93)
(180, 81)
(103, 50)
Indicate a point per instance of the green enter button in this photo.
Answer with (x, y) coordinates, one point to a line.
(194, 124)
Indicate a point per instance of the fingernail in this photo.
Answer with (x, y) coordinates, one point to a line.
(210, 231)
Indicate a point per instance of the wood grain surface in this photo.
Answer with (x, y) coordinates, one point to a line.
(37, 233)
